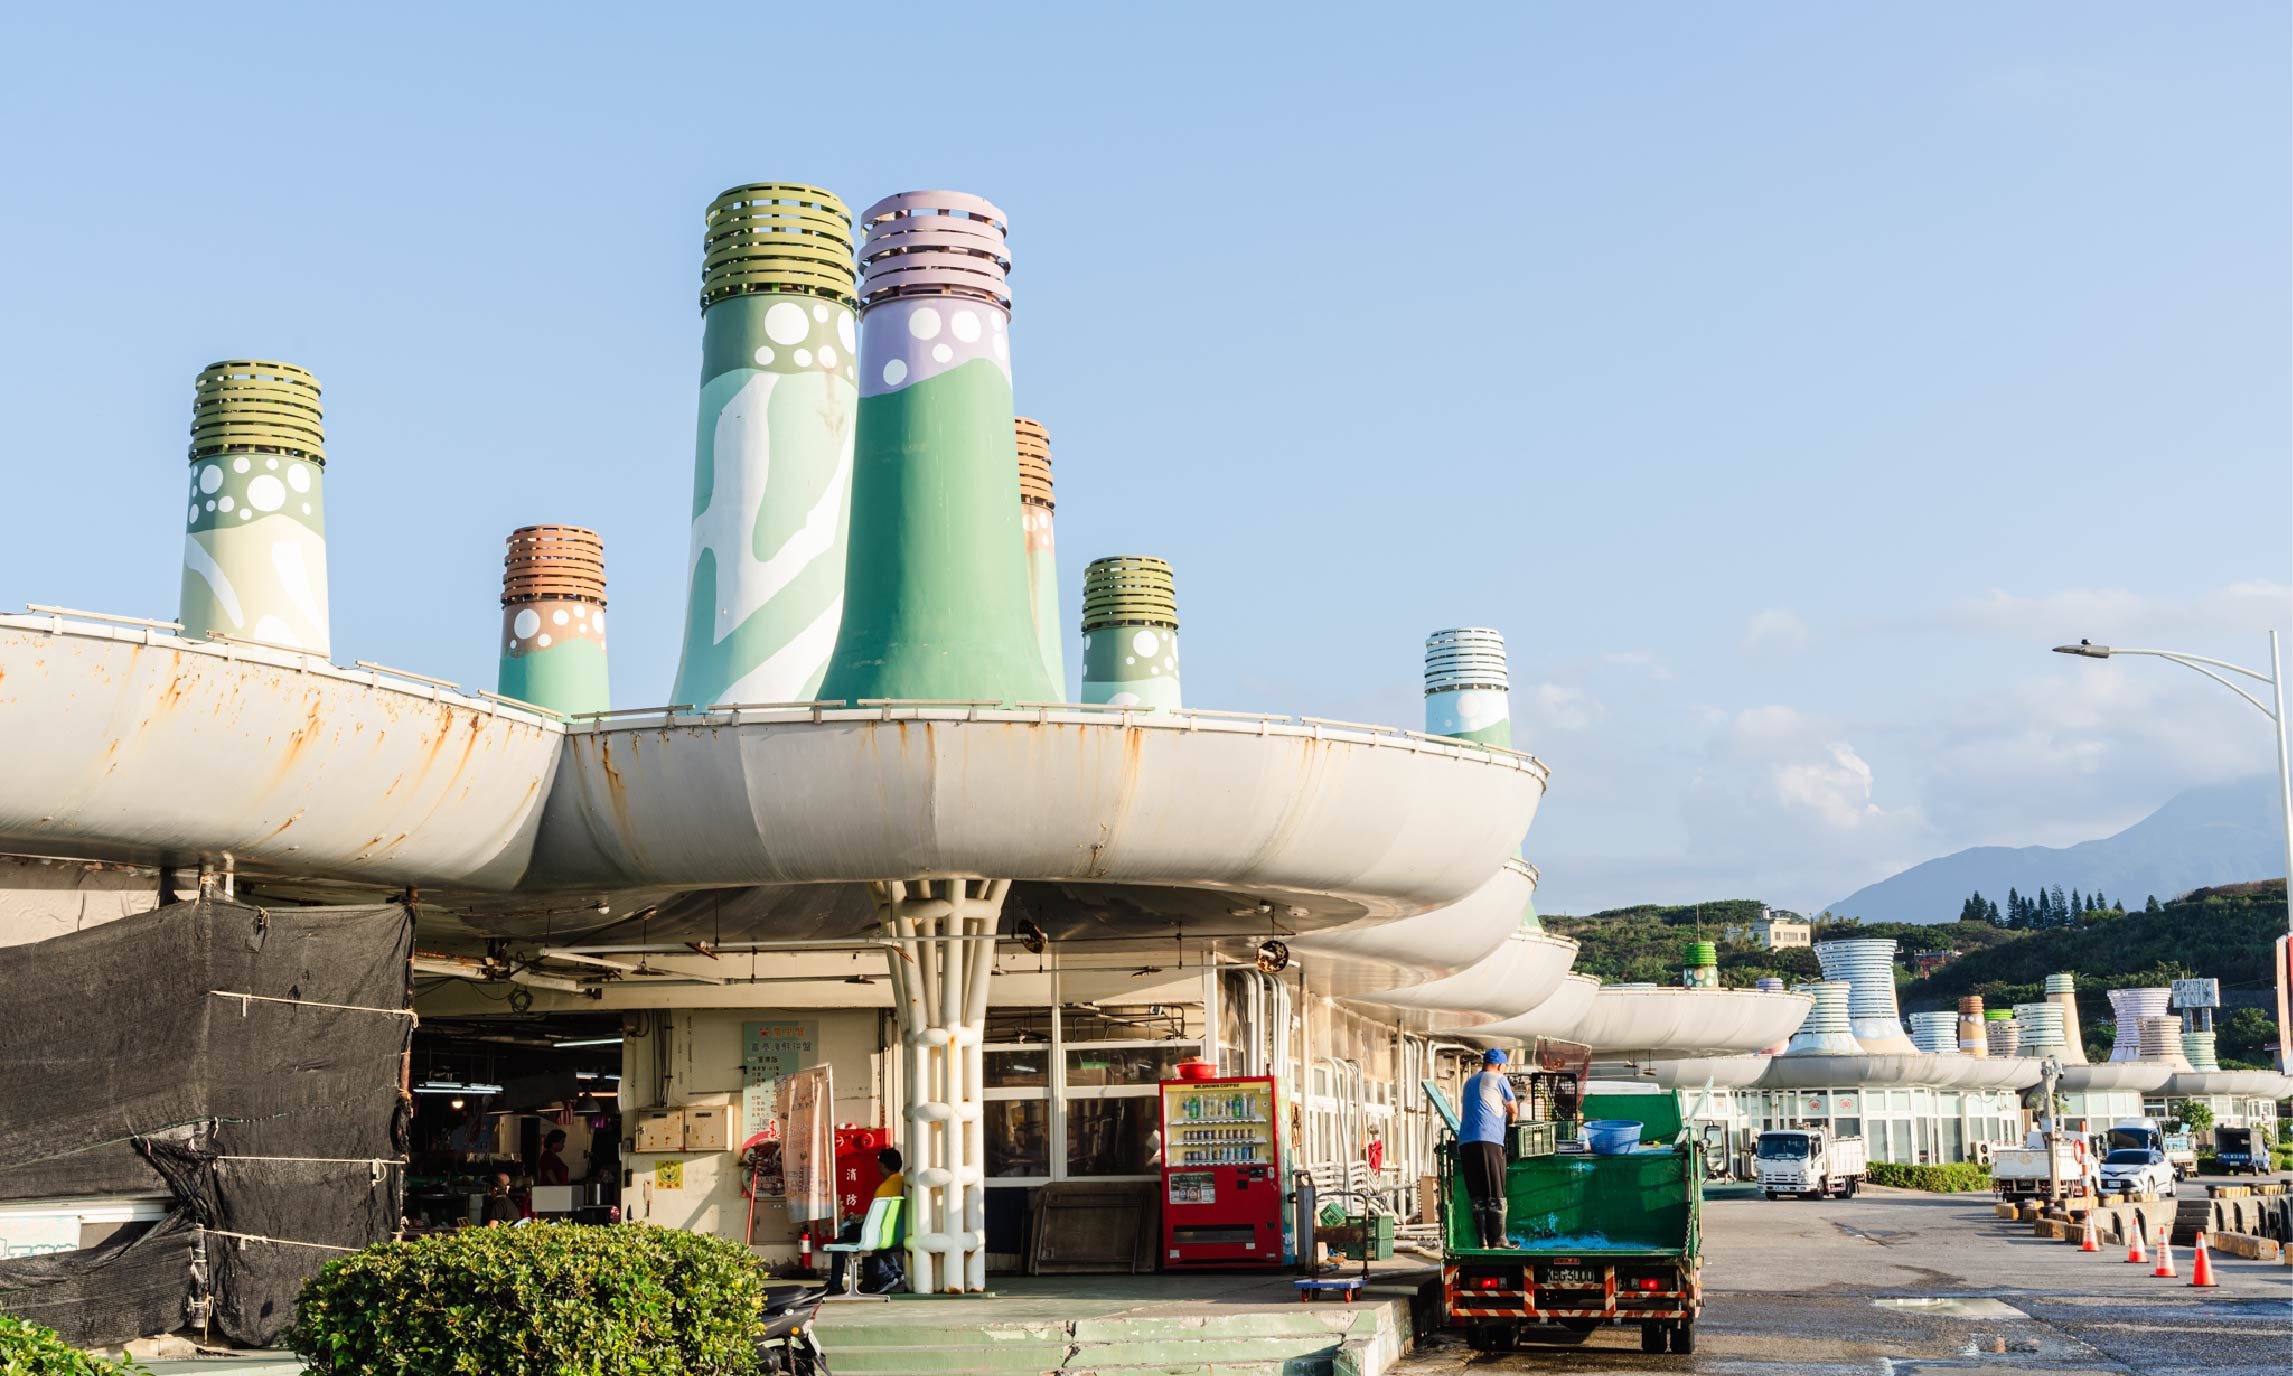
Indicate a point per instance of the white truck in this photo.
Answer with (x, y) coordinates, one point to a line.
(1810, 1162)
(2024, 1172)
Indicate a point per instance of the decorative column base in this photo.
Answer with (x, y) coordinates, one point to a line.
(945, 952)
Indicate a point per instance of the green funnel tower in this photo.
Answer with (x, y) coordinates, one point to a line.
(1468, 697)
(1130, 633)
(772, 455)
(936, 599)
(254, 549)
(1035, 508)
(553, 620)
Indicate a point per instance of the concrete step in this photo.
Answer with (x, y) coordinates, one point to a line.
(1274, 1353)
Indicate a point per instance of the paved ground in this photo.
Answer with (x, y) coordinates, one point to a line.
(1906, 1284)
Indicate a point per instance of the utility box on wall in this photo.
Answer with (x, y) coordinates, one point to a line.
(660, 1129)
(708, 1128)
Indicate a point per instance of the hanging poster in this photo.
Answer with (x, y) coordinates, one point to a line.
(770, 1051)
(807, 1143)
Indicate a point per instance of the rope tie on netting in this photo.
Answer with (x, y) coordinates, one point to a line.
(247, 999)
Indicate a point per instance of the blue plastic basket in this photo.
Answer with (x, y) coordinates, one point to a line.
(1611, 1136)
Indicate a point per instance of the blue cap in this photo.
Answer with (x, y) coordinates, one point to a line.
(1493, 1056)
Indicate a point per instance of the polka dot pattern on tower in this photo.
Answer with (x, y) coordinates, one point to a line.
(1130, 633)
(254, 555)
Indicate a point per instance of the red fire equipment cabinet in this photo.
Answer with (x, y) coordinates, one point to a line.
(857, 1174)
(1223, 1173)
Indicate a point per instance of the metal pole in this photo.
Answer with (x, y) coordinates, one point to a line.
(2284, 773)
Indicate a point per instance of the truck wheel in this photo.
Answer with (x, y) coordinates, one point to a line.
(1847, 1191)
(1769, 1193)
(1490, 1337)
(1684, 1337)
(1653, 1336)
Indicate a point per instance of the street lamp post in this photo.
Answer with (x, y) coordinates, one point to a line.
(2275, 678)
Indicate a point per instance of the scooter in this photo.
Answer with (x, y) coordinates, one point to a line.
(787, 1346)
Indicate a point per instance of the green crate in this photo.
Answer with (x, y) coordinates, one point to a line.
(1524, 1140)
(1377, 1229)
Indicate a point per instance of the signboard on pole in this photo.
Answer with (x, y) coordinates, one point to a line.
(2197, 993)
(808, 1143)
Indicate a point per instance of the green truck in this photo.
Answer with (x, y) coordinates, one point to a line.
(1593, 1240)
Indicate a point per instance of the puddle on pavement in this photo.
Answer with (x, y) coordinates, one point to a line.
(1952, 1307)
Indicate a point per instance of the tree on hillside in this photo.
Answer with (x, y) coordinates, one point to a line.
(2248, 1035)
(2152, 905)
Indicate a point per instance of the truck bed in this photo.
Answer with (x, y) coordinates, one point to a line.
(1643, 1204)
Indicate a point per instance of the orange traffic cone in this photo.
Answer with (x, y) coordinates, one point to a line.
(2086, 1241)
(2201, 1270)
(2134, 1246)
(2165, 1269)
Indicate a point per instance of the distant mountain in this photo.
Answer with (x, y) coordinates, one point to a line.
(2220, 834)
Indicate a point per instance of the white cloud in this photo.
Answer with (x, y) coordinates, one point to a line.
(1789, 796)
(2112, 614)
(1775, 628)
(1647, 660)
(1558, 708)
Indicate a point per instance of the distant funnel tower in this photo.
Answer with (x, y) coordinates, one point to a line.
(1467, 687)
(1468, 697)
(1868, 966)
(935, 591)
(1827, 1029)
(553, 619)
(1130, 633)
(1035, 508)
(254, 552)
(772, 457)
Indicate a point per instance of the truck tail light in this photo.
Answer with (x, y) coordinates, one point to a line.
(1648, 1283)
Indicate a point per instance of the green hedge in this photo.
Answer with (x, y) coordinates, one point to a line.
(542, 1299)
(26, 1349)
(1962, 1177)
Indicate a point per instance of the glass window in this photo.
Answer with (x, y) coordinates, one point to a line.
(1954, 1149)
(1113, 1136)
(1080, 1022)
(1018, 1069)
(1092, 1066)
(1899, 1140)
(1018, 1133)
(1018, 1025)
(1849, 1127)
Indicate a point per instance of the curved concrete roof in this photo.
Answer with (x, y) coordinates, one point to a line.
(1442, 942)
(2260, 1084)
(141, 745)
(1908, 1068)
(1262, 825)
(2140, 1076)
(1722, 1072)
(1523, 972)
(1320, 822)
(1554, 1016)
(1624, 1022)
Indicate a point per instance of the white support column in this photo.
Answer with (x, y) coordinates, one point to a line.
(945, 930)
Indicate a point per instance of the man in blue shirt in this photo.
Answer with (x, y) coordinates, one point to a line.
(1489, 1106)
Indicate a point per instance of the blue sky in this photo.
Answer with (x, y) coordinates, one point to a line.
(1780, 378)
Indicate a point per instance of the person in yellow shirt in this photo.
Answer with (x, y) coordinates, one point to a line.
(895, 1184)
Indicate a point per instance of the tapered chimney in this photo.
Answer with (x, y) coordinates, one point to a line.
(1468, 686)
(553, 620)
(254, 550)
(1035, 508)
(772, 456)
(935, 590)
(1130, 633)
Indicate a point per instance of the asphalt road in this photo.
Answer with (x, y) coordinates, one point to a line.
(1904, 1284)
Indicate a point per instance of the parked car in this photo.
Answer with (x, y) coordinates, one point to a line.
(2138, 1170)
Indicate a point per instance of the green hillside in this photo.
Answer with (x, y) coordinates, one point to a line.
(2221, 933)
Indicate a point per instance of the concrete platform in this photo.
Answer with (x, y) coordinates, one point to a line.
(1193, 1324)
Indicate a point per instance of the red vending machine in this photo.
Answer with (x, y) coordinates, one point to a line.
(1223, 1173)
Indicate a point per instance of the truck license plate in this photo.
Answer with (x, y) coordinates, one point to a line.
(1586, 1277)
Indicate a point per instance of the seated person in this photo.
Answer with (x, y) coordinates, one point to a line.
(894, 1187)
